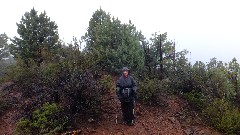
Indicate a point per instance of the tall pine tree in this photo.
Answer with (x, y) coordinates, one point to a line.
(4, 46)
(38, 35)
(113, 44)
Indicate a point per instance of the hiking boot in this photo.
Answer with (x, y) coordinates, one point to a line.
(132, 123)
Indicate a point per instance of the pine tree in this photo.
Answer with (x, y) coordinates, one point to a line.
(38, 35)
(113, 44)
(4, 46)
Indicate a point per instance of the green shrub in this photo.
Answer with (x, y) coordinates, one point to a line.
(50, 70)
(50, 75)
(24, 126)
(19, 72)
(47, 119)
(147, 89)
(24, 77)
(223, 116)
(80, 91)
(196, 99)
(4, 65)
(106, 82)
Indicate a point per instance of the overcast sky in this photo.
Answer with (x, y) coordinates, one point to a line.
(207, 28)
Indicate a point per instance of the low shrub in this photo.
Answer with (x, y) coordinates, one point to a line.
(83, 93)
(19, 72)
(196, 99)
(50, 71)
(223, 116)
(106, 82)
(71, 82)
(4, 65)
(46, 120)
(65, 82)
(147, 89)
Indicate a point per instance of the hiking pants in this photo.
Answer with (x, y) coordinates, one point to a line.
(128, 111)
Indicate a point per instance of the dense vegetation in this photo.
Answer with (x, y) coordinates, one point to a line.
(69, 80)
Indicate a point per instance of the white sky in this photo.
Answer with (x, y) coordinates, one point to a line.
(207, 28)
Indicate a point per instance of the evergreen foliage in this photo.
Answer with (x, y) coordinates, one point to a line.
(113, 44)
(38, 37)
(4, 46)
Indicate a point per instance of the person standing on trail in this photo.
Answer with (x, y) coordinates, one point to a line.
(127, 93)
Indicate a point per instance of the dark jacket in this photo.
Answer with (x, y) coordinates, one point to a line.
(126, 82)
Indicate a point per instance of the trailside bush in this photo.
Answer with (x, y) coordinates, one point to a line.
(79, 90)
(147, 90)
(154, 91)
(26, 78)
(106, 82)
(196, 99)
(50, 71)
(223, 116)
(47, 119)
(19, 72)
(4, 65)
(4, 105)
(83, 93)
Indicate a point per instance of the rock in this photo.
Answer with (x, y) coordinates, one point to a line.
(202, 132)
(172, 119)
(189, 131)
(91, 120)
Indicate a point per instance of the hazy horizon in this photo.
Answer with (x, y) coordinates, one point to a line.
(205, 28)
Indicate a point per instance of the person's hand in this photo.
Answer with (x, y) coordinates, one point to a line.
(118, 104)
(136, 97)
(118, 101)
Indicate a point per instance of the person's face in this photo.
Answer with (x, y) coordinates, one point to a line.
(125, 73)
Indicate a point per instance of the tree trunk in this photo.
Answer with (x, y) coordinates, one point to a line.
(161, 54)
(174, 57)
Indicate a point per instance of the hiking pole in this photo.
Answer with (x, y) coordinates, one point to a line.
(134, 113)
(117, 111)
(134, 105)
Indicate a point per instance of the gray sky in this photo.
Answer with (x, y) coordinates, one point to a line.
(207, 28)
